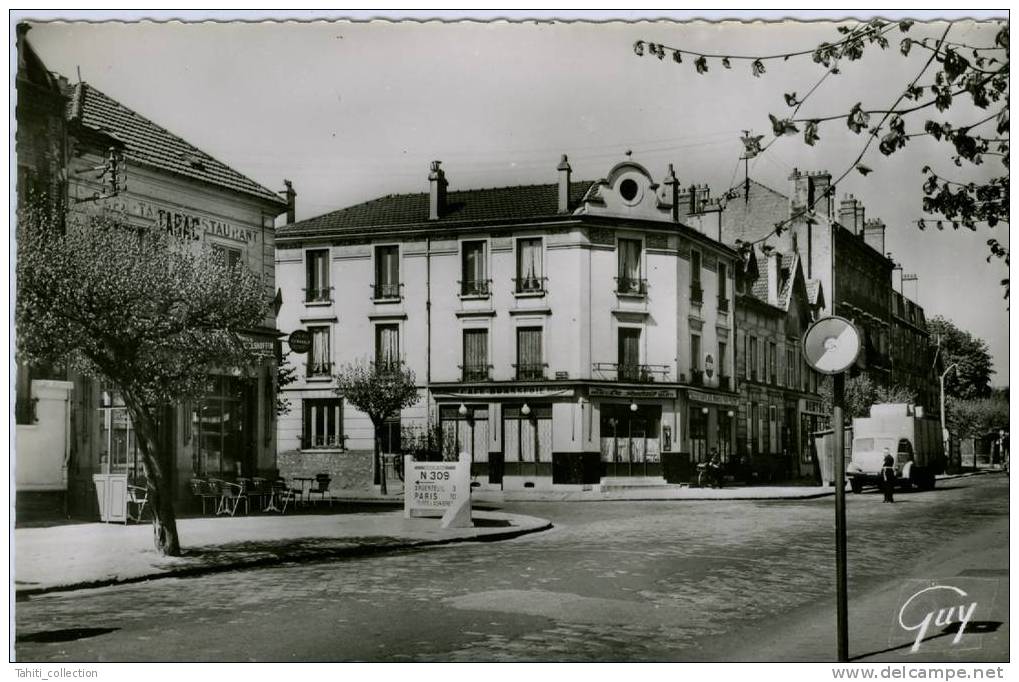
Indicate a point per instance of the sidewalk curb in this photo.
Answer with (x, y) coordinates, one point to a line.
(498, 497)
(306, 556)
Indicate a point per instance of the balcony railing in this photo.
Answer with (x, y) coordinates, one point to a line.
(630, 286)
(529, 285)
(387, 366)
(723, 305)
(319, 295)
(318, 369)
(474, 372)
(613, 371)
(475, 287)
(696, 293)
(387, 291)
(697, 377)
(323, 440)
(531, 371)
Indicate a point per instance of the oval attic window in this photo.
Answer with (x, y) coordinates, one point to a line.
(628, 189)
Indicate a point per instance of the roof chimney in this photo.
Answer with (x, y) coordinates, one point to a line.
(436, 192)
(851, 214)
(564, 184)
(874, 234)
(291, 202)
(774, 275)
(673, 188)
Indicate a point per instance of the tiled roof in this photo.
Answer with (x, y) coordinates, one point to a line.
(760, 288)
(151, 145)
(475, 205)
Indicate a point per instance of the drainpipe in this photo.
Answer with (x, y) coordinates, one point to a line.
(67, 449)
(428, 338)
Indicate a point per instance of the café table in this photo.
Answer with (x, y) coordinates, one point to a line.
(305, 483)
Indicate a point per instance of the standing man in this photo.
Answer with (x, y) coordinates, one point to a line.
(888, 476)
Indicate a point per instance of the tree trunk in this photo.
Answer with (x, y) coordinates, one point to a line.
(378, 461)
(164, 519)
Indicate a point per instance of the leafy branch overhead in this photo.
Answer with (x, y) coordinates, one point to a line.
(956, 79)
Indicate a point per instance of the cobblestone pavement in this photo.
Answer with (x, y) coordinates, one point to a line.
(626, 581)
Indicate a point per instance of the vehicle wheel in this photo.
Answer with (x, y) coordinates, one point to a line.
(856, 485)
(930, 481)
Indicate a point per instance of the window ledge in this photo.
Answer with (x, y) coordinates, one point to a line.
(529, 294)
(474, 297)
(323, 449)
(387, 300)
(319, 378)
(622, 294)
(317, 304)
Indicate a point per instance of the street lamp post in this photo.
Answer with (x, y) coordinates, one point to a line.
(944, 427)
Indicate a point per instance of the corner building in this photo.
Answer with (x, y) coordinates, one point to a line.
(165, 183)
(568, 334)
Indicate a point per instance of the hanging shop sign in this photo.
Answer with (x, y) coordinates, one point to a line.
(300, 341)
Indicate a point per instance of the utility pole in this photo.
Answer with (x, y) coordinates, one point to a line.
(944, 427)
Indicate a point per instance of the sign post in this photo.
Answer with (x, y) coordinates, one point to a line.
(831, 346)
(440, 489)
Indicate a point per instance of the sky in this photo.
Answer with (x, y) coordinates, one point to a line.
(350, 111)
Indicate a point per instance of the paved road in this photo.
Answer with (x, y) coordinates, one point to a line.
(622, 581)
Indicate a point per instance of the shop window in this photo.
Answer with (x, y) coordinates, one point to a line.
(464, 432)
(119, 453)
(698, 434)
(224, 427)
(527, 434)
(724, 436)
(323, 423)
(317, 287)
(629, 436)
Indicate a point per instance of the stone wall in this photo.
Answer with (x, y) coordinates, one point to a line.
(350, 470)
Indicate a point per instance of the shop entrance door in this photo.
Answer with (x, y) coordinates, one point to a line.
(630, 441)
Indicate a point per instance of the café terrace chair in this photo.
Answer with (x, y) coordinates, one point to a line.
(282, 494)
(200, 488)
(230, 496)
(321, 487)
(137, 498)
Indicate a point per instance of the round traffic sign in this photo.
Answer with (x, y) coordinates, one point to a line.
(300, 341)
(831, 345)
